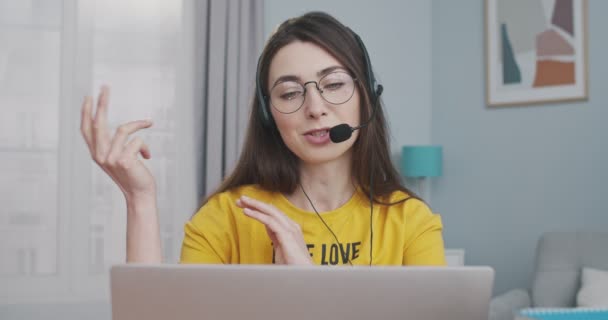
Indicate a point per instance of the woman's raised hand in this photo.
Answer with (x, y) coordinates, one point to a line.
(117, 155)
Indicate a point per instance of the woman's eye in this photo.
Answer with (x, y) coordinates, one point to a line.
(333, 86)
(290, 95)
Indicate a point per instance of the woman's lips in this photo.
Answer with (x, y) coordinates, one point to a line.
(317, 137)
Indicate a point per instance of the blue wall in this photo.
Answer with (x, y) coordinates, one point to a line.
(513, 173)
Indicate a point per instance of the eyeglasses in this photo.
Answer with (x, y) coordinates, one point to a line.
(336, 88)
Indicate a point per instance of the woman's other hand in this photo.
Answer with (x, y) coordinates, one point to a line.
(286, 235)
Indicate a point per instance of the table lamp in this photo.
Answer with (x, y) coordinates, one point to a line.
(420, 163)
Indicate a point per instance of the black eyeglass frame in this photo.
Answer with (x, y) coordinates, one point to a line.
(304, 86)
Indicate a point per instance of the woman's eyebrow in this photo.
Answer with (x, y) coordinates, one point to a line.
(286, 78)
(329, 70)
(321, 73)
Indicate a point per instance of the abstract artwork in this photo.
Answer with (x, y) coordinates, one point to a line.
(536, 51)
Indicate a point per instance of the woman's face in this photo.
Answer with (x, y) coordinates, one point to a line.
(306, 131)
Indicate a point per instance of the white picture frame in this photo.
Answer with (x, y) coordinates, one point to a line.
(536, 51)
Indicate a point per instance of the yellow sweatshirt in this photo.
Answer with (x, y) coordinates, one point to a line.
(407, 233)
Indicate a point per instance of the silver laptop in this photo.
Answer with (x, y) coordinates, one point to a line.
(239, 292)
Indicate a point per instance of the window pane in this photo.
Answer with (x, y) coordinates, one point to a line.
(29, 95)
(31, 13)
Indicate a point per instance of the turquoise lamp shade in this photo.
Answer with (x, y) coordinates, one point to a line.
(421, 161)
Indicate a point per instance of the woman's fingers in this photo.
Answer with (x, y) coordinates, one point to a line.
(103, 148)
(120, 138)
(145, 151)
(100, 134)
(86, 122)
(267, 209)
(135, 146)
(279, 235)
(116, 155)
(267, 220)
(273, 225)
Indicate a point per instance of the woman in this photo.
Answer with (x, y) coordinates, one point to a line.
(295, 197)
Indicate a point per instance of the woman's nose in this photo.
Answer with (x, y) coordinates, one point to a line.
(314, 104)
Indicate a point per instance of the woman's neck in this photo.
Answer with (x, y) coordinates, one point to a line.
(328, 185)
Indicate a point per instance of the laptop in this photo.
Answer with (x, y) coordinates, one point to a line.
(268, 292)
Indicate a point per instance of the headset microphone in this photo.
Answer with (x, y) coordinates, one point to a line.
(343, 132)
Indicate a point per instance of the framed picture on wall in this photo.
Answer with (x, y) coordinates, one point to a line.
(536, 51)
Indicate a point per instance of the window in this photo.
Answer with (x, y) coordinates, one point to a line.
(62, 222)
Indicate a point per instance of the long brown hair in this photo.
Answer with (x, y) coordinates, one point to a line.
(265, 159)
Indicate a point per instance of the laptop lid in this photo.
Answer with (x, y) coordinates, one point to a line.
(235, 292)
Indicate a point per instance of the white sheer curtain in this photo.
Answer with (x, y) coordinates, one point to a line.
(188, 65)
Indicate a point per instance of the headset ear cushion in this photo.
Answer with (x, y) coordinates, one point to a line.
(379, 90)
(264, 113)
